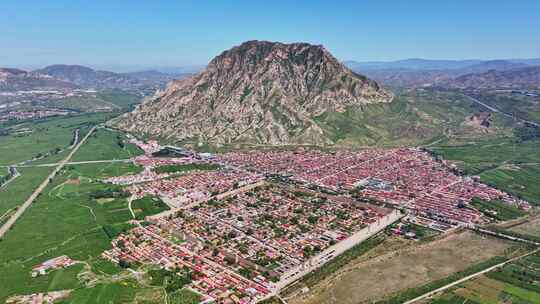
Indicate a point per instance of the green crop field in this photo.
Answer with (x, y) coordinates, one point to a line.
(497, 210)
(105, 170)
(108, 99)
(69, 221)
(18, 190)
(45, 137)
(105, 293)
(516, 282)
(483, 155)
(106, 145)
(184, 296)
(503, 163)
(520, 180)
(148, 206)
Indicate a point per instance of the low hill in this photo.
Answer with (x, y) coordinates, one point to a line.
(528, 77)
(19, 80)
(89, 78)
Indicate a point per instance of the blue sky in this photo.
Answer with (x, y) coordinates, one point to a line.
(153, 33)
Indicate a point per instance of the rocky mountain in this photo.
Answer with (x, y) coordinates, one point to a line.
(19, 80)
(258, 92)
(528, 77)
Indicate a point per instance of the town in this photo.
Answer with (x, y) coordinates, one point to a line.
(259, 221)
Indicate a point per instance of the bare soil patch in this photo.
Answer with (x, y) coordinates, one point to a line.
(372, 279)
(531, 227)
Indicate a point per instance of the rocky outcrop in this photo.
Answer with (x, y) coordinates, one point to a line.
(258, 92)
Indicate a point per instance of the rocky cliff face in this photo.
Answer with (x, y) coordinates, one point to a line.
(258, 92)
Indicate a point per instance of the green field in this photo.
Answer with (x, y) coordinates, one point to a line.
(105, 293)
(186, 168)
(106, 145)
(497, 210)
(521, 180)
(18, 190)
(503, 163)
(482, 155)
(105, 170)
(70, 222)
(114, 100)
(517, 282)
(43, 137)
(184, 296)
(148, 206)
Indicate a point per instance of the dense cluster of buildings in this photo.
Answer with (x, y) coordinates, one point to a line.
(248, 245)
(52, 264)
(240, 238)
(185, 189)
(20, 115)
(408, 178)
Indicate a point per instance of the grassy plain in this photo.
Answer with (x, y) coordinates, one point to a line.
(43, 137)
(106, 145)
(504, 163)
(69, 221)
(530, 227)
(148, 206)
(108, 99)
(18, 190)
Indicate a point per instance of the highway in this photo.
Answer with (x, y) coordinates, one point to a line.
(7, 226)
(73, 163)
(495, 110)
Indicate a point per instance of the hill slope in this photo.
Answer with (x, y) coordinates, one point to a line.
(514, 78)
(89, 78)
(259, 92)
(15, 80)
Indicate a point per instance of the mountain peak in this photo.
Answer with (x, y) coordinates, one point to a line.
(257, 92)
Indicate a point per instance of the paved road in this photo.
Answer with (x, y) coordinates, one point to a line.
(75, 138)
(336, 250)
(7, 226)
(504, 236)
(493, 109)
(14, 175)
(74, 163)
(472, 276)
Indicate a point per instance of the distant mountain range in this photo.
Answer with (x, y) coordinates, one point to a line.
(422, 72)
(527, 77)
(429, 64)
(19, 80)
(60, 76)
